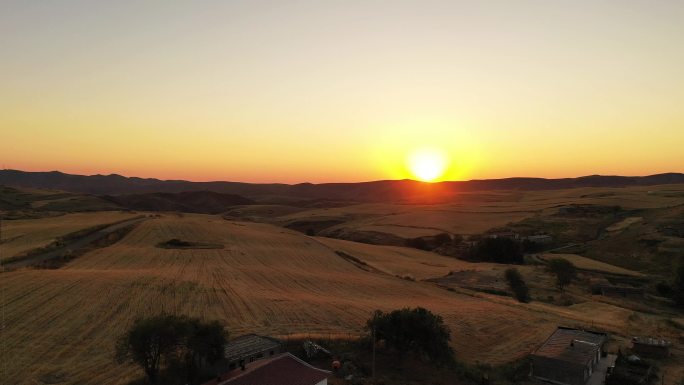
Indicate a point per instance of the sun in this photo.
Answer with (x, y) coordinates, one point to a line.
(428, 164)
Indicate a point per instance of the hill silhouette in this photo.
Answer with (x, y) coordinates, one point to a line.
(376, 191)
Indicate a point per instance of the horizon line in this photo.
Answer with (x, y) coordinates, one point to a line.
(357, 182)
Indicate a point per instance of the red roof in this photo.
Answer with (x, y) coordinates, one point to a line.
(283, 369)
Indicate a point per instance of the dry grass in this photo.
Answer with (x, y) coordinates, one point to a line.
(591, 264)
(23, 235)
(63, 323)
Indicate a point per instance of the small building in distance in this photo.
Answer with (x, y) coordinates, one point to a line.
(568, 356)
(503, 234)
(651, 347)
(249, 348)
(282, 369)
(542, 239)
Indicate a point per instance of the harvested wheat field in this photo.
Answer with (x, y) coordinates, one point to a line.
(403, 261)
(468, 213)
(585, 263)
(266, 279)
(23, 235)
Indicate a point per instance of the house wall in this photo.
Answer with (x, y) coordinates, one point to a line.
(559, 372)
(651, 350)
(324, 382)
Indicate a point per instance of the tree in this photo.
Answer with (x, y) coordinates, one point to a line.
(530, 246)
(413, 330)
(417, 243)
(564, 270)
(442, 239)
(180, 342)
(205, 342)
(147, 342)
(517, 285)
(500, 250)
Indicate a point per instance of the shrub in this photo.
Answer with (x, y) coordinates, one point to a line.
(417, 243)
(517, 285)
(500, 250)
(413, 330)
(442, 239)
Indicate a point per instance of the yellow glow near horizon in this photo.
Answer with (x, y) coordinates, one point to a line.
(428, 164)
(341, 92)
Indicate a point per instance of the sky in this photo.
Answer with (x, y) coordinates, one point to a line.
(341, 91)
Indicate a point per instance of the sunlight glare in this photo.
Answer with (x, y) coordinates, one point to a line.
(428, 164)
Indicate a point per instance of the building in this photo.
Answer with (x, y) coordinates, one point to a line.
(651, 347)
(249, 348)
(541, 239)
(282, 369)
(503, 234)
(568, 356)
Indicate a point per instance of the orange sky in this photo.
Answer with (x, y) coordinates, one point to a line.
(342, 91)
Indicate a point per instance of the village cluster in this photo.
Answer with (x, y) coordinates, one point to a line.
(568, 357)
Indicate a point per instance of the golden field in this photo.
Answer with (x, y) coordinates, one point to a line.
(468, 213)
(62, 324)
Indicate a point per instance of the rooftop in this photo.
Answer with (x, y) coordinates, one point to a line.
(249, 344)
(283, 369)
(651, 341)
(572, 345)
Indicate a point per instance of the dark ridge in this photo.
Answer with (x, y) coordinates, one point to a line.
(377, 191)
(205, 202)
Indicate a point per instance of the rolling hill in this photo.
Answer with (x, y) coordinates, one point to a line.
(376, 191)
(266, 280)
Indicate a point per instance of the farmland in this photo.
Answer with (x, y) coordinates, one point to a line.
(258, 276)
(22, 235)
(267, 279)
(467, 213)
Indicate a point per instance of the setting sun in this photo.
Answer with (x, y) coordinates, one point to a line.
(428, 164)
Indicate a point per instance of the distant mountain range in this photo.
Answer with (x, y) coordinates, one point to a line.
(377, 191)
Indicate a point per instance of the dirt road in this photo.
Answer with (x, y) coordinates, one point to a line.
(73, 246)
